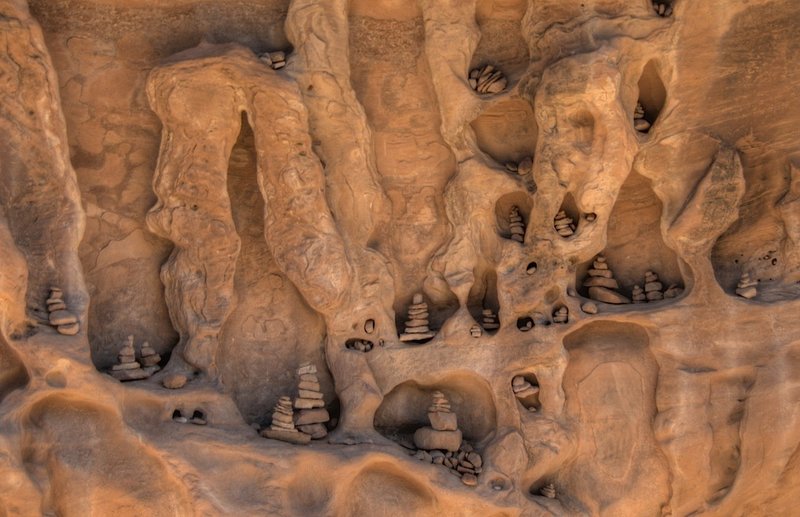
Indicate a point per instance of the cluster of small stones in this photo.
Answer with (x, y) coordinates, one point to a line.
(311, 415)
(465, 462)
(487, 80)
(639, 122)
(276, 60)
(523, 168)
(549, 491)
(198, 417)
(282, 426)
(489, 320)
(475, 330)
(128, 368)
(360, 345)
(662, 9)
(746, 288)
(561, 315)
(443, 433)
(63, 320)
(516, 225)
(526, 393)
(602, 285)
(652, 291)
(417, 325)
(564, 225)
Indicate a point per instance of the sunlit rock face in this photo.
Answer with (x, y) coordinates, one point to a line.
(384, 257)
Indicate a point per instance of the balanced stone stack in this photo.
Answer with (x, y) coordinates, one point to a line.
(150, 359)
(443, 433)
(128, 369)
(638, 295)
(747, 286)
(64, 321)
(417, 325)
(487, 80)
(276, 60)
(653, 287)
(282, 426)
(639, 122)
(561, 315)
(526, 393)
(549, 491)
(663, 10)
(476, 331)
(312, 414)
(490, 321)
(564, 224)
(516, 225)
(601, 283)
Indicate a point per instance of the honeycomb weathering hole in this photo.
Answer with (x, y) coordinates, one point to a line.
(652, 96)
(507, 131)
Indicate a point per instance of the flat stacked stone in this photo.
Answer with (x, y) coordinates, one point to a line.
(443, 433)
(128, 369)
(516, 225)
(653, 287)
(476, 331)
(639, 122)
(601, 283)
(638, 295)
(417, 325)
(489, 320)
(150, 358)
(276, 60)
(526, 393)
(746, 288)
(487, 80)
(65, 322)
(564, 224)
(282, 425)
(662, 10)
(311, 415)
(561, 315)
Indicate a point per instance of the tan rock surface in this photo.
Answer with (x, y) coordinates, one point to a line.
(253, 219)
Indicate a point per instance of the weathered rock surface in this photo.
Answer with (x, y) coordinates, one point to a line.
(255, 190)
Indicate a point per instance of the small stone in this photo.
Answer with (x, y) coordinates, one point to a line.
(428, 438)
(309, 377)
(423, 456)
(469, 479)
(641, 125)
(518, 380)
(316, 431)
(174, 381)
(653, 286)
(308, 394)
(475, 459)
(308, 403)
(598, 281)
(312, 416)
(62, 318)
(589, 308)
(441, 421)
(307, 385)
(605, 273)
(602, 294)
(57, 306)
(294, 437)
(306, 368)
(369, 326)
(654, 296)
(126, 366)
(417, 299)
(68, 330)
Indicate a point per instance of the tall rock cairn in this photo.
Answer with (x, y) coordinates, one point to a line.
(417, 326)
(311, 415)
(282, 426)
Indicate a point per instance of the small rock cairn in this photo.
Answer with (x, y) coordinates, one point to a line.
(282, 426)
(60, 317)
(526, 393)
(601, 283)
(443, 433)
(516, 225)
(561, 315)
(476, 331)
(639, 122)
(564, 225)
(312, 415)
(489, 320)
(487, 80)
(746, 288)
(276, 60)
(417, 325)
(128, 368)
(549, 491)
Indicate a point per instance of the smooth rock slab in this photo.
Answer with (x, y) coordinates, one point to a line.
(295, 437)
(601, 294)
(428, 438)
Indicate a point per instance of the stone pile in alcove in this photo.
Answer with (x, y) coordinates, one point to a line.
(443, 433)
(601, 283)
(564, 224)
(417, 325)
(525, 392)
(639, 122)
(128, 368)
(311, 415)
(746, 288)
(282, 427)
(515, 224)
(60, 317)
(487, 80)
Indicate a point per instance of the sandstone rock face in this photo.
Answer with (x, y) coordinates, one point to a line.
(550, 247)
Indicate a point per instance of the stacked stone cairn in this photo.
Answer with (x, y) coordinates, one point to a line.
(639, 122)
(561, 315)
(490, 321)
(653, 287)
(476, 331)
(549, 491)
(526, 393)
(601, 283)
(516, 225)
(276, 60)
(662, 10)
(746, 288)
(417, 326)
(282, 426)
(638, 295)
(487, 80)
(311, 415)
(150, 359)
(443, 433)
(564, 224)
(128, 369)
(63, 320)
(465, 463)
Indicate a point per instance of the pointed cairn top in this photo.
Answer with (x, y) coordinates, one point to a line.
(601, 283)
(282, 426)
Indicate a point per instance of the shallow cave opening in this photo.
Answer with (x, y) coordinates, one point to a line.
(516, 203)
(651, 98)
(525, 387)
(567, 219)
(482, 302)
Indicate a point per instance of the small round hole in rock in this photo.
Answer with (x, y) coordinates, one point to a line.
(531, 269)
(591, 216)
(198, 414)
(369, 326)
(359, 345)
(525, 324)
